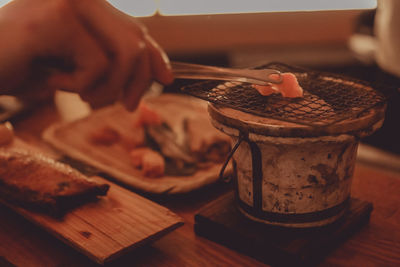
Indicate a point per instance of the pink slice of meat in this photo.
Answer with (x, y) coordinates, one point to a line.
(289, 87)
(147, 116)
(149, 161)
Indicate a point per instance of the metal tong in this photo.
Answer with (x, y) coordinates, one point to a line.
(254, 76)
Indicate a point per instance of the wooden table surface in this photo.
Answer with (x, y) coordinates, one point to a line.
(376, 244)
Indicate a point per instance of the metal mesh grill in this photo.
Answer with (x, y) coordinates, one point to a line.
(328, 98)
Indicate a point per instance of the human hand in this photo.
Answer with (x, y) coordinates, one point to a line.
(84, 46)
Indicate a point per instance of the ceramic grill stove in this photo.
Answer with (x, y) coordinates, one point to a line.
(294, 157)
(327, 99)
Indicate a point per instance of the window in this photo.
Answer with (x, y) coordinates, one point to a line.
(137, 8)
(195, 7)
(142, 8)
(3, 2)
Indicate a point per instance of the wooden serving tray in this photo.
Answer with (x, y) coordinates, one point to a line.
(108, 227)
(71, 138)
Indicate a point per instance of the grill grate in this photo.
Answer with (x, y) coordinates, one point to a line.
(328, 98)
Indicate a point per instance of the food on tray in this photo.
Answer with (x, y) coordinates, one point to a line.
(135, 138)
(168, 143)
(289, 87)
(178, 158)
(208, 144)
(149, 161)
(147, 116)
(41, 183)
(166, 140)
(108, 136)
(105, 136)
(6, 134)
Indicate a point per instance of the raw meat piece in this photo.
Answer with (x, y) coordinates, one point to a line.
(134, 137)
(289, 87)
(147, 116)
(151, 162)
(110, 135)
(104, 136)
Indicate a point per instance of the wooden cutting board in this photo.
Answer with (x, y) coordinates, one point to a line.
(109, 227)
(71, 138)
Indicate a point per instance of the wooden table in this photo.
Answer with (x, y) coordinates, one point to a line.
(377, 244)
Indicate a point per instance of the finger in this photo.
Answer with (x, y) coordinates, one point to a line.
(36, 92)
(100, 95)
(120, 38)
(123, 66)
(106, 23)
(90, 65)
(140, 82)
(120, 33)
(160, 65)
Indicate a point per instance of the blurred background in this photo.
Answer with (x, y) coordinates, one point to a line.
(336, 36)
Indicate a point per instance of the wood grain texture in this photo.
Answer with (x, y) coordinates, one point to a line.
(222, 222)
(377, 244)
(109, 227)
(71, 138)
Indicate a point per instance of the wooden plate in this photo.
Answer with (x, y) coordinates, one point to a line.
(72, 139)
(109, 227)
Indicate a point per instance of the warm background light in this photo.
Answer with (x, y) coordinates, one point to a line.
(137, 8)
(3, 2)
(195, 7)
(142, 8)
(212, 26)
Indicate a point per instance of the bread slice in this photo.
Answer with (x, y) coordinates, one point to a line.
(38, 182)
